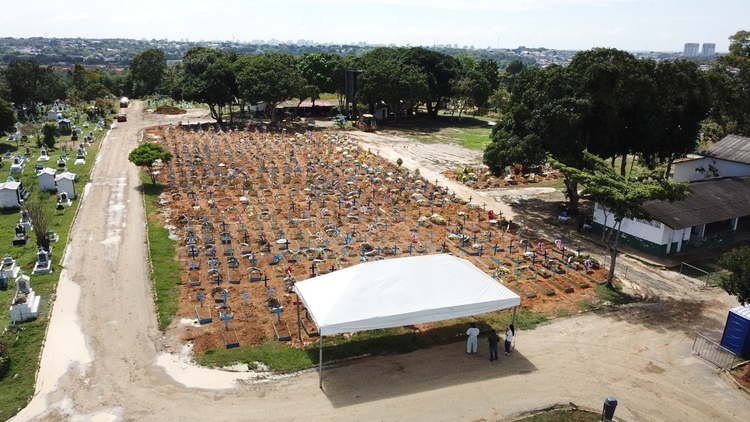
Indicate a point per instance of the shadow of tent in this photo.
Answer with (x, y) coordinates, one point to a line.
(382, 377)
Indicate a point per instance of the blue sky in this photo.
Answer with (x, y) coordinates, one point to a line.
(634, 25)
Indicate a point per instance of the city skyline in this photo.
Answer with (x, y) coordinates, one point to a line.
(633, 25)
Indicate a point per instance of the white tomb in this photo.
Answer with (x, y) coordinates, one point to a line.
(9, 267)
(25, 305)
(65, 182)
(25, 221)
(63, 200)
(43, 156)
(46, 177)
(17, 165)
(43, 263)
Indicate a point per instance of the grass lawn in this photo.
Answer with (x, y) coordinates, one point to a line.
(470, 132)
(24, 341)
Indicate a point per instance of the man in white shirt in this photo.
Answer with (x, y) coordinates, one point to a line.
(473, 333)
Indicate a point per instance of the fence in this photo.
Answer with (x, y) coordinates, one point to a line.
(713, 352)
(686, 268)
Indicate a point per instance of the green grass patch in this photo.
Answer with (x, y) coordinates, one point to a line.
(706, 270)
(585, 305)
(613, 295)
(162, 251)
(470, 132)
(24, 342)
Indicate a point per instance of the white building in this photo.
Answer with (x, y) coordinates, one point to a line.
(718, 204)
(691, 49)
(46, 177)
(708, 49)
(65, 182)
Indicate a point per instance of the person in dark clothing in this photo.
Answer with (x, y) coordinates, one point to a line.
(493, 339)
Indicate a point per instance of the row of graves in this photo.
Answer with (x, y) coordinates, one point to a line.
(257, 212)
(25, 302)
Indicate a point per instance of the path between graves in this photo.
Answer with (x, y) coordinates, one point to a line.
(103, 357)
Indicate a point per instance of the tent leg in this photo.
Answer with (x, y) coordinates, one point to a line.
(514, 315)
(299, 328)
(320, 369)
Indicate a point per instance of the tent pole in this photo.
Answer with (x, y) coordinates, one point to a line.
(515, 309)
(299, 328)
(320, 358)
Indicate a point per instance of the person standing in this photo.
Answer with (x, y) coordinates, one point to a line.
(493, 339)
(509, 338)
(471, 342)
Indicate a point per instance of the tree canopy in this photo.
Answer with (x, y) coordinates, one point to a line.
(7, 118)
(737, 282)
(147, 70)
(31, 83)
(208, 77)
(146, 154)
(606, 102)
(270, 78)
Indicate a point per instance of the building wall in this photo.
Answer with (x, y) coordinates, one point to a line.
(685, 170)
(651, 237)
(9, 198)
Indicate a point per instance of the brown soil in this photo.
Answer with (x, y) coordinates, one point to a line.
(256, 189)
(742, 375)
(167, 109)
(484, 180)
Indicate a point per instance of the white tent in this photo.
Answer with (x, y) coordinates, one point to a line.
(402, 291)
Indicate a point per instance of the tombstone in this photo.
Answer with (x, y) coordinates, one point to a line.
(46, 178)
(20, 238)
(17, 165)
(25, 304)
(25, 220)
(43, 263)
(43, 156)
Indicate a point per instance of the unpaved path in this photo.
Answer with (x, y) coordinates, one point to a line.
(101, 360)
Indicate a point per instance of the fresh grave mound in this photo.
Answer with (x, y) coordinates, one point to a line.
(166, 109)
(256, 211)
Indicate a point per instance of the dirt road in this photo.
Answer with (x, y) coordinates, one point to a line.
(104, 358)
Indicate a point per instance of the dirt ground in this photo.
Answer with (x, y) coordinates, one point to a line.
(105, 360)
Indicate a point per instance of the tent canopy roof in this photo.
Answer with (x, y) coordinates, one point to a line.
(401, 291)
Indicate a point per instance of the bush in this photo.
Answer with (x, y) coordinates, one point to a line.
(4, 361)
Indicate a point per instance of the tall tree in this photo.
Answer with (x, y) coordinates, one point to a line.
(440, 69)
(208, 77)
(146, 155)
(31, 83)
(683, 103)
(620, 197)
(86, 85)
(325, 71)
(737, 282)
(269, 77)
(147, 70)
(7, 118)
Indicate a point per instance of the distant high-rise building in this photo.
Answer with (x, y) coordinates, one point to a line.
(691, 49)
(709, 49)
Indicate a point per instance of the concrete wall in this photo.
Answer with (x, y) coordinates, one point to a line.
(9, 198)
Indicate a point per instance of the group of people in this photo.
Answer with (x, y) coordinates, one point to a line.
(493, 339)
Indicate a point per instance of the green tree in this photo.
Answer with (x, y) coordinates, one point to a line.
(683, 103)
(439, 69)
(146, 155)
(737, 282)
(208, 77)
(49, 131)
(729, 81)
(325, 71)
(147, 70)
(86, 85)
(620, 197)
(7, 118)
(31, 83)
(270, 78)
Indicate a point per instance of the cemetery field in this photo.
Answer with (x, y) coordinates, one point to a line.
(254, 212)
(471, 132)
